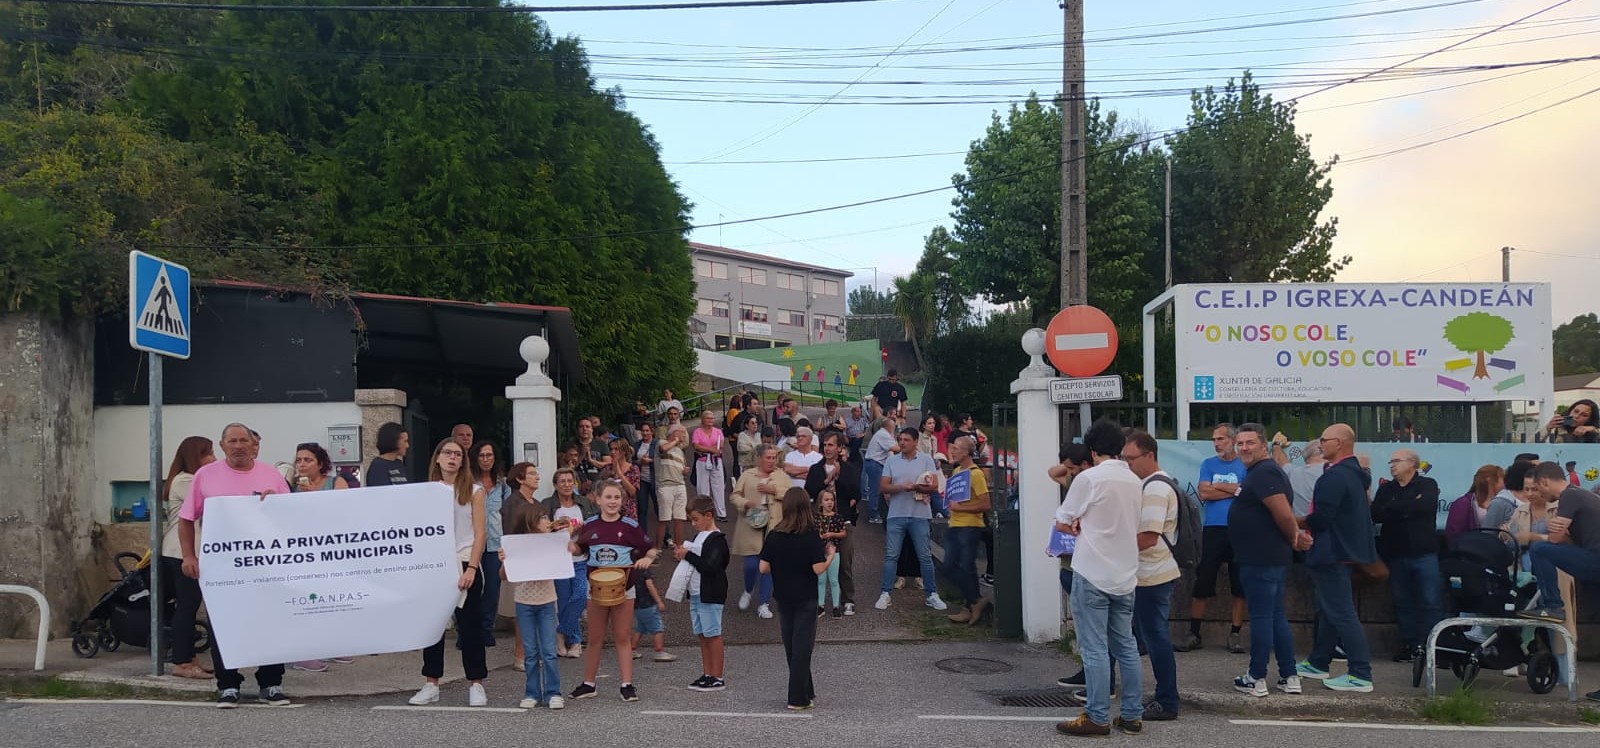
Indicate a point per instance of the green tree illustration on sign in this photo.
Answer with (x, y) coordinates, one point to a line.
(1480, 333)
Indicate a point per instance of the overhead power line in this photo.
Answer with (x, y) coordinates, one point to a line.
(464, 9)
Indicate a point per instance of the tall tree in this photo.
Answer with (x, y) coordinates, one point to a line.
(878, 308)
(1576, 345)
(1247, 197)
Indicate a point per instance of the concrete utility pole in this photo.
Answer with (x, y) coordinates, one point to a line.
(1505, 276)
(1074, 233)
(1168, 223)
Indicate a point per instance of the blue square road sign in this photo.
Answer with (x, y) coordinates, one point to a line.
(158, 305)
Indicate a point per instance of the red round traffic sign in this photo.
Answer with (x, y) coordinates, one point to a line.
(1081, 341)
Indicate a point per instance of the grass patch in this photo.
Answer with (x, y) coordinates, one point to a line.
(53, 687)
(1589, 716)
(937, 626)
(1068, 643)
(1461, 707)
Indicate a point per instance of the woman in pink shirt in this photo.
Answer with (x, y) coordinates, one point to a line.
(708, 476)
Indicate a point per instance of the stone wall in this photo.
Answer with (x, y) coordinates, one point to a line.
(46, 465)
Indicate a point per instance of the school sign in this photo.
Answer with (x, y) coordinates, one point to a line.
(1355, 342)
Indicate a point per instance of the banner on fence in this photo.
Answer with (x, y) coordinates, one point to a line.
(321, 574)
(1363, 342)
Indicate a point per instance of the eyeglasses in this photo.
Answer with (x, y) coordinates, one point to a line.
(450, 452)
(1400, 460)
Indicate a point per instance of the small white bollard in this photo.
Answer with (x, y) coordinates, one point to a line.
(44, 618)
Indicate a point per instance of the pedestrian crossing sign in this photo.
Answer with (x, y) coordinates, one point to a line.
(158, 305)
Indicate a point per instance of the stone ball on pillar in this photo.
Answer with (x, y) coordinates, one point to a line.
(1033, 342)
(535, 350)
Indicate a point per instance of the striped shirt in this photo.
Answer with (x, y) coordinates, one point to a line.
(1158, 512)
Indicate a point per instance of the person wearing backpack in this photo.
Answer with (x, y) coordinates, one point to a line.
(1159, 571)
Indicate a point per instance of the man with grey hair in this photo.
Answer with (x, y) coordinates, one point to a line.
(1303, 476)
(797, 463)
(1219, 481)
(238, 473)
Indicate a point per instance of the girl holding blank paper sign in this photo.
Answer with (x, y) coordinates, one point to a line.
(536, 600)
(470, 536)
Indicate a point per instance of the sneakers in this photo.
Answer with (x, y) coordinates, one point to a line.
(1249, 686)
(1290, 684)
(1189, 644)
(1155, 712)
(528, 704)
(556, 702)
(1071, 680)
(875, 521)
(311, 666)
(575, 651)
(883, 601)
(584, 691)
(273, 696)
(629, 693)
(849, 609)
(1349, 683)
(835, 612)
(637, 654)
(1552, 615)
(934, 602)
(821, 611)
(428, 695)
(802, 707)
(764, 611)
(342, 660)
(899, 583)
(1235, 642)
(986, 580)
(1305, 669)
(1592, 696)
(744, 601)
(706, 684)
(1083, 726)
(476, 696)
(1128, 726)
(228, 699)
(664, 657)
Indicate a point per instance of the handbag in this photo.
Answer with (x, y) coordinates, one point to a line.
(758, 517)
(1376, 572)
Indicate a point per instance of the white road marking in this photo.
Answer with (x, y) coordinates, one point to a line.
(490, 709)
(1408, 727)
(988, 718)
(146, 702)
(768, 715)
(1083, 341)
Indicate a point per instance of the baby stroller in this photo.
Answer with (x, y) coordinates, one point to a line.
(1480, 575)
(123, 613)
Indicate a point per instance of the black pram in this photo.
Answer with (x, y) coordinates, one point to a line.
(123, 613)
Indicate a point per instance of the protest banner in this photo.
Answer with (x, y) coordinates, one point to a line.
(325, 574)
(532, 556)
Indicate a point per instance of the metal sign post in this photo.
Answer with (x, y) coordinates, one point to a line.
(158, 323)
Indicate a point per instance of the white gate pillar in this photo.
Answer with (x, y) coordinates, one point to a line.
(533, 414)
(1038, 439)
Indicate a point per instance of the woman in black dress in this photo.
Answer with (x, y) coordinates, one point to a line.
(794, 555)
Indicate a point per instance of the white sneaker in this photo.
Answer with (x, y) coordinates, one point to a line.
(744, 601)
(764, 611)
(664, 656)
(556, 702)
(528, 704)
(883, 601)
(934, 602)
(575, 651)
(476, 695)
(1251, 686)
(849, 609)
(1290, 684)
(428, 695)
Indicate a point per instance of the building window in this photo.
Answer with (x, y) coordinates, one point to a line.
(792, 318)
(826, 322)
(713, 308)
(824, 287)
(711, 269)
(751, 313)
(791, 281)
(753, 276)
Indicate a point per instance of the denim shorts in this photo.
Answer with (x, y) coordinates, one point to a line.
(647, 621)
(706, 617)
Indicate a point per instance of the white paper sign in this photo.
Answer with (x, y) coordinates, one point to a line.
(537, 556)
(329, 573)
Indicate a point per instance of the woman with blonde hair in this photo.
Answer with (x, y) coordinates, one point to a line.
(448, 469)
(757, 507)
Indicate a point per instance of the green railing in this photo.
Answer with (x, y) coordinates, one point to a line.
(808, 393)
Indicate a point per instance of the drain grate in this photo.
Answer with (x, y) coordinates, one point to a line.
(972, 666)
(1053, 699)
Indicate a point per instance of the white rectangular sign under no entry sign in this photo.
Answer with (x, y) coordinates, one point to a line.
(329, 573)
(1086, 389)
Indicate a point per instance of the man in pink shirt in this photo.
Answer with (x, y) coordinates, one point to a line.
(237, 474)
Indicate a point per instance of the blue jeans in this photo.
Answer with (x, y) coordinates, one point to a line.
(1269, 624)
(537, 624)
(961, 559)
(491, 594)
(897, 529)
(1105, 630)
(1548, 558)
(752, 572)
(1337, 623)
(871, 476)
(1418, 591)
(572, 597)
(1150, 607)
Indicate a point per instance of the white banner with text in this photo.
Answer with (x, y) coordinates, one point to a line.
(329, 573)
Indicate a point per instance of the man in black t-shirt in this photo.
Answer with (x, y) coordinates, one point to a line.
(389, 468)
(1264, 536)
(889, 396)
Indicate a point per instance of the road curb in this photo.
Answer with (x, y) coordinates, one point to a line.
(1375, 706)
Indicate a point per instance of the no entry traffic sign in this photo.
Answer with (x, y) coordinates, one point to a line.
(1081, 341)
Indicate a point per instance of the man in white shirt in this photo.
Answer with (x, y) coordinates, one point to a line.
(797, 463)
(1102, 509)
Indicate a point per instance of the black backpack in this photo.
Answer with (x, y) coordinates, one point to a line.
(1186, 550)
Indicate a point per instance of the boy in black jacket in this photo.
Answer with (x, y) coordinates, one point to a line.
(705, 605)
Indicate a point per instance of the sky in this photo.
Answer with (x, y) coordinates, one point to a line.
(736, 97)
